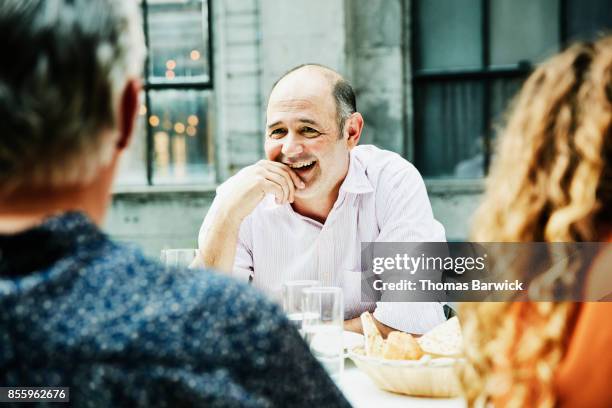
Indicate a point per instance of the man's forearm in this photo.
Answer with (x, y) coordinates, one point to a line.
(218, 249)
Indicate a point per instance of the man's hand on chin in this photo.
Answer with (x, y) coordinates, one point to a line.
(250, 185)
(243, 193)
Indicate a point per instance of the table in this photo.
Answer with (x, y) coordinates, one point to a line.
(363, 393)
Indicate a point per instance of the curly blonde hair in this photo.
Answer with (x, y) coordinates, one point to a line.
(551, 181)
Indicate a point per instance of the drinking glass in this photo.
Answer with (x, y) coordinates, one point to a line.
(179, 258)
(292, 299)
(323, 309)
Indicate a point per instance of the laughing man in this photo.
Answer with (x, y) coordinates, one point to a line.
(304, 211)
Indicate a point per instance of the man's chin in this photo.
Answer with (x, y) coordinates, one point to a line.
(304, 193)
(308, 192)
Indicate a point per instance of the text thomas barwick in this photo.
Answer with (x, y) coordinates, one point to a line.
(425, 284)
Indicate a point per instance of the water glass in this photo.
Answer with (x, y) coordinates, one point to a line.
(178, 258)
(292, 299)
(323, 323)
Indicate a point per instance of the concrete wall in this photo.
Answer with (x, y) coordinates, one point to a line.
(256, 41)
(158, 220)
(453, 204)
(239, 135)
(374, 67)
(296, 32)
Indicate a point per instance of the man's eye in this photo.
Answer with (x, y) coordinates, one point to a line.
(276, 133)
(309, 130)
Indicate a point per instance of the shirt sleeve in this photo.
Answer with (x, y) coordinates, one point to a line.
(243, 268)
(404, 215)
(403, 209)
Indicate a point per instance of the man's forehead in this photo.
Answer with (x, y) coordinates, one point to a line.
(299, 97)
(313, 110)
(292, 105)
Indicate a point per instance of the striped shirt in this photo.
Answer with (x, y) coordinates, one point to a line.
(382, 199)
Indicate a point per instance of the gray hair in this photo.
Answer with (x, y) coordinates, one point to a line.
(346, 104)
(67, 62)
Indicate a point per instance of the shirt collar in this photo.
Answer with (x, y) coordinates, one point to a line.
(356, 181)
(37, 248)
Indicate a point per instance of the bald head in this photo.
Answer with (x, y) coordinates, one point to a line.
(321, 80)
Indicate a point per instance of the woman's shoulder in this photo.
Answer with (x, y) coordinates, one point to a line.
(588, 349)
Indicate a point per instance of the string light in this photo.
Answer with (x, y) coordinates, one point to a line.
(195, 55)
(170, 74)
(153, 120)
(179, 127)
(193, 120)
(191, 131)
(171, 64)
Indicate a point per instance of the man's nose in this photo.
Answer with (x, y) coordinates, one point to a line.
(291, 146)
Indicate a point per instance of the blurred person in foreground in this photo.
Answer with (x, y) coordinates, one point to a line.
(551, 181)
(304, 211)
(77, 309)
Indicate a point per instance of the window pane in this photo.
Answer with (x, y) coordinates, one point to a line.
(133, 167)
(182, 142)
(587, 18)
(503, 91)
(448, 34)
(523, 30)
(449, 123)
(178, 41)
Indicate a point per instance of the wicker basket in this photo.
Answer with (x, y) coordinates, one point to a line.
(427, 377)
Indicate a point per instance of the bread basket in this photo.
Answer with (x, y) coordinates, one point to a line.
(426, 377)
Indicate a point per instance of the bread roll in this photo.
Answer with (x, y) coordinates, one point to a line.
(401, 346)
(374, 342)
(444, 340)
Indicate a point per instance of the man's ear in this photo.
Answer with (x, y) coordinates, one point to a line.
(352, 129)
(128, 109)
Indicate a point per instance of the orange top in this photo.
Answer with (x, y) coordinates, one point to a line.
(583, 378)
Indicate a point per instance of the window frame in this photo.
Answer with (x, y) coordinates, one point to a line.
(177, 84)
(486, 73)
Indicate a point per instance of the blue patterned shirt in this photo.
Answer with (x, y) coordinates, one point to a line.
(81, 311)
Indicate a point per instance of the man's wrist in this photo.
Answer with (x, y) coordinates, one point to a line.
(353, 325)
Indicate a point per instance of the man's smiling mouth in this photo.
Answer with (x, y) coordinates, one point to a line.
(302, 165)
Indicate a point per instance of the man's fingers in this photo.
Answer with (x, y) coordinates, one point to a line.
(296, 180)
(272, 187)
(287, 178)
(294, 177)
(282, 182)
(268, 176)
